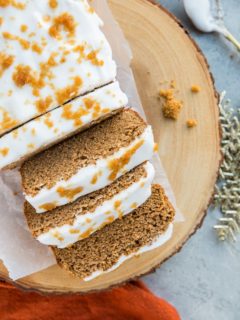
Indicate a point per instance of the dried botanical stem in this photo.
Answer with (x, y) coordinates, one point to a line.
(227, 195)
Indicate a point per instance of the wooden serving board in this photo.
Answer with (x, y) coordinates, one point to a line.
(162, 51)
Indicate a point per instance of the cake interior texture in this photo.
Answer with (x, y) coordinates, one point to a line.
(62, 161)
(40, 223)
(121, 238)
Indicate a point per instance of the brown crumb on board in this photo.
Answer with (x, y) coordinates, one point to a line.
(171, 107)
(191, 123)
(195, 88)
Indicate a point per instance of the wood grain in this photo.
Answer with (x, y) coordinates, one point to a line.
(162, 52)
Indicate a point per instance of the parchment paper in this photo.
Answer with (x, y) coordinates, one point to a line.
(22, 255)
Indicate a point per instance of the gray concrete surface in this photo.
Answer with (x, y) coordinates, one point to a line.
(203, 280)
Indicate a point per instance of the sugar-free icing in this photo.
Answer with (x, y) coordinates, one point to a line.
(156, 243)
(119, 205)
(59, 123)
(49, 53)
(96, 176)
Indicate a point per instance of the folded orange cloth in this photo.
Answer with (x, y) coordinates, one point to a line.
(132, 301)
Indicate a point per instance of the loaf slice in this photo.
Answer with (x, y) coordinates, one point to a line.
(144, 229)
(56, 125)
(87, 162)
(66, 225)
(51, 52)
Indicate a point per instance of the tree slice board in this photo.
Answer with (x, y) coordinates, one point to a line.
(162, 52)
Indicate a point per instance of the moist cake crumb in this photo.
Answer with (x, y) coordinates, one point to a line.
(171, 107)
(5, 62)
(195, 88)
(191, 123)
(64, 21)
(53, 4)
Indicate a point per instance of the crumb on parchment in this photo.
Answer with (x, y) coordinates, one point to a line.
(191, 123)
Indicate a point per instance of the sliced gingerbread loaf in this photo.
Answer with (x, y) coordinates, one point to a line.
(67, 224)
(87, 162)
(146, 228)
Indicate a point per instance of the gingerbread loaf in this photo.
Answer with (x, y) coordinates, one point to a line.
(87, 162)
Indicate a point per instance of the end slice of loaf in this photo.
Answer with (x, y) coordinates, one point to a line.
(88, 161)
(142, 230)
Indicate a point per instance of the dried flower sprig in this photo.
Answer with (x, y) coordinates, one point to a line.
(227, 195)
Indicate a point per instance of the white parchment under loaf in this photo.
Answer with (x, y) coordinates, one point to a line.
(21, 254)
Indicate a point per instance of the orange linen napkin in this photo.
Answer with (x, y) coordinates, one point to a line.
(132, 301)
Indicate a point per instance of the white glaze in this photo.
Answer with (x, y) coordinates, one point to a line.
(85, 225)
(20, 106)
(156, 243)
(37, 133)
(84, 176)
